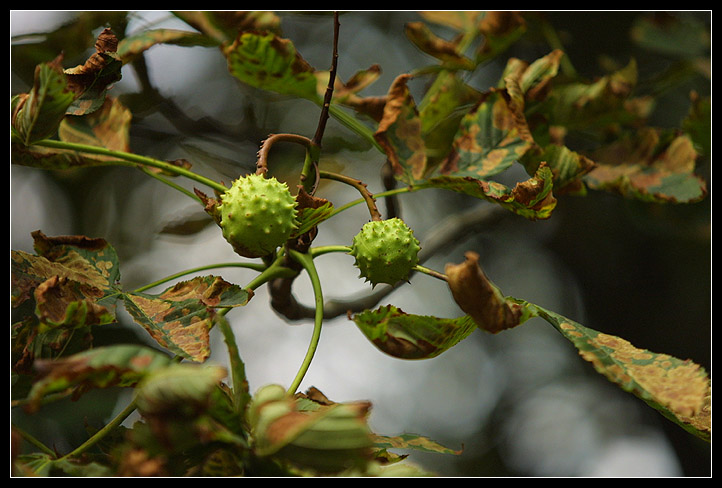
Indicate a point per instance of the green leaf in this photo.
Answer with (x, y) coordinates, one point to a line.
(183, 389)
(406, 336)
(568, 167)
(327, 439)
(678, 35)
(102, 367)
(36, 116)
(679, 389)
(266, 61)
(181, 317)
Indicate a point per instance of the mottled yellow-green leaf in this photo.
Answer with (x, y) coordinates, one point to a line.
(408, 336)
(266, 61)
(650, 165)
(181, 317)
(679, 389)
(108, 127)
(490, 138)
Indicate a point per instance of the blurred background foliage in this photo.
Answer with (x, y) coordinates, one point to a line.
(521, 403)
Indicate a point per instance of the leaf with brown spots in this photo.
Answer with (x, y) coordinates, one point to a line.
(448, 52)
(649, 165)
(399, 133)
(407, 336)
(181, 317)
(680, 390)
(90, 81)
(264, 60)
(102, 367)
(107, 127)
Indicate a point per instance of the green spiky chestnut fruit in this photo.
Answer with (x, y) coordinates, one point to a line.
(385, 251)
(257, 214)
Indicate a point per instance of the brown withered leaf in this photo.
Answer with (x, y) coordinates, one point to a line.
(480, 298)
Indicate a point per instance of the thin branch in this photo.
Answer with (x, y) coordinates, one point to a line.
(360, 186)
(329, 88)
(262, 161)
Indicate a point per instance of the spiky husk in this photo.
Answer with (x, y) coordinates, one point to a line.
(257, 215)
(385, 251)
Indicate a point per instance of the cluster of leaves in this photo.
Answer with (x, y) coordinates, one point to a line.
(456, 138)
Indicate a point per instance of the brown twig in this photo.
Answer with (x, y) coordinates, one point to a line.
(262, 161)
(329, 88)
(360, 186)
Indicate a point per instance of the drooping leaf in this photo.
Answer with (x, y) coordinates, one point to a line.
(36, 115)
(264, 60)
(407, 336)
(224, 26)
(91, 80)
(327, 440)
(649, 165)
(532, 199)
(183, 389)
(448, 52)
(133, 46)
(181, 317)
(679, 389)
(102, 367)
(480, 298)
(399, 133)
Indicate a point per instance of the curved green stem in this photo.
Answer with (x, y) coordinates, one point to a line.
(131, 158)
(306, 261)
(32, 440)
(102, 432)
(255, 266)
(318, 251)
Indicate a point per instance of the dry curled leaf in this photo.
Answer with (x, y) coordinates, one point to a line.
(480, 298)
